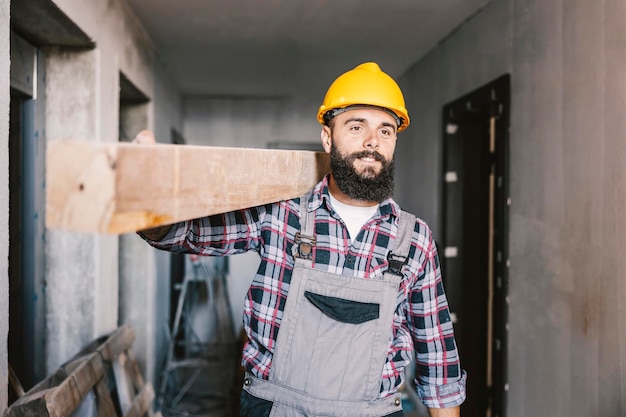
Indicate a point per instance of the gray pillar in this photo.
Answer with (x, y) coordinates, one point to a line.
(138, 284)
(81, 269)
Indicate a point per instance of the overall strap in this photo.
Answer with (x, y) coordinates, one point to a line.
(305, 239)
(400, 254)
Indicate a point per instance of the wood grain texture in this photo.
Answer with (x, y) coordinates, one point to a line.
(141, 403)
(88, 372)
(118, 188)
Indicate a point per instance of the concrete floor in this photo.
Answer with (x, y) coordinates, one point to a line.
(201, 390)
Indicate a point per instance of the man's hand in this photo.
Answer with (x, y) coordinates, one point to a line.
(445, 412)
(146, 137)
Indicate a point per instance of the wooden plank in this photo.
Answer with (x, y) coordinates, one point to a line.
(133, 371)
(15, 383)
(125, 390)
(118, 342)
(134, 374)
(60, 394)
(63, 398)
(141, 403)
(66, 397)
(86, 376)
(121, 187)
(30, 405)
(106, 408)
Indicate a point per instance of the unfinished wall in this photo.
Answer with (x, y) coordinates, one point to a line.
(4, 198)
(567, 336)
(73, 259)
(144, 271)
(250, 122)
(455, 68)
(167, 111)
(83, 273)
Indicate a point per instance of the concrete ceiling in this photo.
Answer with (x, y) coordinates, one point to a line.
(291, 47)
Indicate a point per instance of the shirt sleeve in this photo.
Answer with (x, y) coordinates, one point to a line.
(219, 235)
(440, 381)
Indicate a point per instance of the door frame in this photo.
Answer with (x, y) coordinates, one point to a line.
(492, 99)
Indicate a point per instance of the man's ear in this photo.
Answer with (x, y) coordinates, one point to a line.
(327, 139)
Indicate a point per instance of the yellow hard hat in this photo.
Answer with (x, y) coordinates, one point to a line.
(365, 85)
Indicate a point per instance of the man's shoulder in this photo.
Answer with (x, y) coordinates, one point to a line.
(420, 226)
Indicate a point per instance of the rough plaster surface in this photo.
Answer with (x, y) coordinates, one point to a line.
(71, 259)
(452, 70)
(166, 113)
(123, 46)
(81, 270)
(137, 276)
(118, 33)
(83, 103)
(4, 198)
(568, 189)
(138, 298)
(252, 123)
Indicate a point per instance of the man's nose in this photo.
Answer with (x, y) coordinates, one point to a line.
(371, 142)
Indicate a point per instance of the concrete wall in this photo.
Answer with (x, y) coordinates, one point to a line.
(144, 272)
(567, 337)
(250, 122)
(4, 198)
(83, 274)
(81, 269)
(453, 69)
(83, 277)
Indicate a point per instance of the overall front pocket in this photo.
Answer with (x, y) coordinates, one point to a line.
(345, 311)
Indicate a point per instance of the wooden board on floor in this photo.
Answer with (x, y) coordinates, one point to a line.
(121, 187)
(88, 373)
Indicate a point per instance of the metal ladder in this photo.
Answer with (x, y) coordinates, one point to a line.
(196, 374)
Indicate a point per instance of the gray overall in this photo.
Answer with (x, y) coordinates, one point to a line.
(333, 338)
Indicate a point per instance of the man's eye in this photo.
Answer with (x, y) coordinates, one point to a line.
(356, 127)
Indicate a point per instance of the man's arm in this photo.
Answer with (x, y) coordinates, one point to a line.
(445, 412)
(217, 235)
(439, 379)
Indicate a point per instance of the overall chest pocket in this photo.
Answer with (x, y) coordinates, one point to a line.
(345, 311)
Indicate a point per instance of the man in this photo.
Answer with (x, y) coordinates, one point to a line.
(349, 286)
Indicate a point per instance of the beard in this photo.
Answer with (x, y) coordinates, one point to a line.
(367, 185)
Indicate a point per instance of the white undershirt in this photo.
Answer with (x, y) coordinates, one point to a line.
(353, 216)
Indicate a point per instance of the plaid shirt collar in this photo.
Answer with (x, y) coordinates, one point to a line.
(320, 195)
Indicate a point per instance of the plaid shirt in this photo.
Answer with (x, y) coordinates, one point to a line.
(421, 319)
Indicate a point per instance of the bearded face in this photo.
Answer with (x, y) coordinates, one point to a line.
(366, 185)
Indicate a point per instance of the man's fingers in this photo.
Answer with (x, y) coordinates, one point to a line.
(145, 137)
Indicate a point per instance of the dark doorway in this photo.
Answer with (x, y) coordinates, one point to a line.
(18, 329)
(26, 339)
(475, 252)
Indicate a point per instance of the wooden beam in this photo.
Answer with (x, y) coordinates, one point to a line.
(141, 403)
(121, 187)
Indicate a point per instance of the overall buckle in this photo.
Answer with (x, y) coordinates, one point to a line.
(396, 263)
(304, 246)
